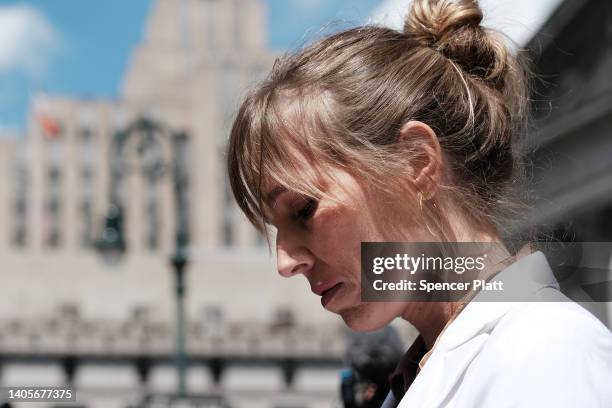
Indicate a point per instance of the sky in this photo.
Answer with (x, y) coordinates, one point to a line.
(81, 47)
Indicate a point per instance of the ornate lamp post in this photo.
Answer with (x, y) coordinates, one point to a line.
(112, 244)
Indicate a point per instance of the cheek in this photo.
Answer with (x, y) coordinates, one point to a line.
(337, 238)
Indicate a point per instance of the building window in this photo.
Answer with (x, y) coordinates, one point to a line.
(86, 141)
(87, 155)
(181, 150)
(51, 211)
(228, 232)
(228, 92)
(87, 227)
(20, 203)
(152, 212)
(52, 208)
(227, 219)
(18, 228)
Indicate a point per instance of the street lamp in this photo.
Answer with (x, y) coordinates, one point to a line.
(112, 243)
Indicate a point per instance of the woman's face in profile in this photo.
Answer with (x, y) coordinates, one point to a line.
(321, 240)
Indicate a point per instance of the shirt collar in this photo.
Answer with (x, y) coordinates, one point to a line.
(415, 358)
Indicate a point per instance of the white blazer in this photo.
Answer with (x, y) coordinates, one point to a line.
(518, 354)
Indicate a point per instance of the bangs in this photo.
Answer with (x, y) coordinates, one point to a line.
(280, 138)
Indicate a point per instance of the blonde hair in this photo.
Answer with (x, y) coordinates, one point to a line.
(341, 102)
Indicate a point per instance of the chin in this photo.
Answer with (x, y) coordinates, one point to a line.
(363, 318)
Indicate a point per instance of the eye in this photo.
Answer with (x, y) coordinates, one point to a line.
(304, 213)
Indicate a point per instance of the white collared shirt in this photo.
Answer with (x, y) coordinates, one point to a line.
(537, 353)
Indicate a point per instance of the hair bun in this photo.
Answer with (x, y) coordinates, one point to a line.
(433, 22)
(453, 28)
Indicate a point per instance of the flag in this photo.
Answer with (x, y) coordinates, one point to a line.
(49, 126)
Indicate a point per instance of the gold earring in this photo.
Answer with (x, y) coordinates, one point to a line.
(429, 229)
(421, 201)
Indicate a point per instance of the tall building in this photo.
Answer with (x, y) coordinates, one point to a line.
(70, 314)
(571, 146)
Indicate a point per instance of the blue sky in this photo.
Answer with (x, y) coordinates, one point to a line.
(81, 47)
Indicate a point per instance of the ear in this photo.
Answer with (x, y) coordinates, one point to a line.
(427, 164)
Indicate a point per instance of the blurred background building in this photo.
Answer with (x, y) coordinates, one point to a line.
(570, 142)
(70, 314)
(105, 321)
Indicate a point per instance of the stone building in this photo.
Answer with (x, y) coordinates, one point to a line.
(70, 315)
(571, 139)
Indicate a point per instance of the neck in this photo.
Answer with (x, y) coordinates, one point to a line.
(429, 318)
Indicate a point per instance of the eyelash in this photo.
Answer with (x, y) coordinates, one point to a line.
(307, 210)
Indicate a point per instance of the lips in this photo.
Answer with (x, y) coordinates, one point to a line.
(320, 287)
(326, 290)
(328, 294)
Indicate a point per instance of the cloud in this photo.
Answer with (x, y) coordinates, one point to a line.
(519, 19)
(28, 41)
(29, 44)
(390, 13)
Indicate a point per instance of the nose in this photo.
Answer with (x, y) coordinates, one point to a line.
(292, 257)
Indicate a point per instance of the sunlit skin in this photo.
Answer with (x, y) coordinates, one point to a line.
(321, 241)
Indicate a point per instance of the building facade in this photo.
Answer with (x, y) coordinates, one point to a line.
(570, 153)
(68, 314)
